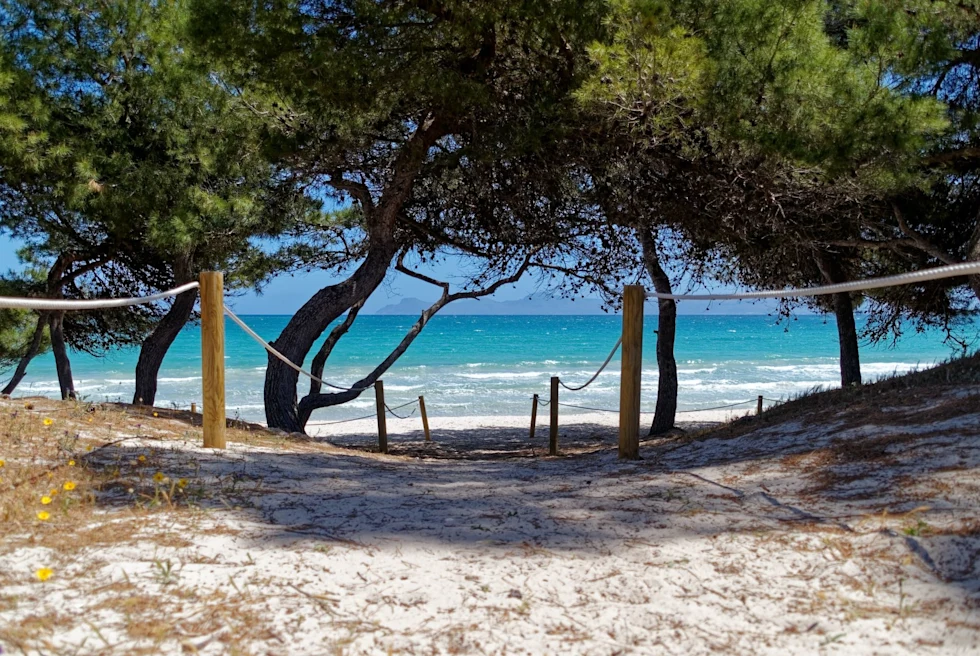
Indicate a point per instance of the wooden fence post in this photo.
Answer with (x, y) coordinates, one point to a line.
(553, 435)
(379, 397)
(425, 419)
(534, 415)
(213, 358)
(629, 386)
(758, 406)
(193, 408)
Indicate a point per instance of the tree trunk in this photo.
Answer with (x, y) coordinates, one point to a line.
(666, 411)
(320, 359)
(850, 361)
(154, 348)
(61, 361)
(312, 319)
(306, 326)
(32, 351)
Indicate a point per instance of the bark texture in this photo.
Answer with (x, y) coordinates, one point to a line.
(154, 348)
(317, 400)
(306, 326)
(32, 351)
(850, 360)
(666, 411)
(61, 361)
(320, 360)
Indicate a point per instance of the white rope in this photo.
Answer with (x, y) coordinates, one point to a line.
(965, 268)
(589, 381)
(95, 304)
(268, 347)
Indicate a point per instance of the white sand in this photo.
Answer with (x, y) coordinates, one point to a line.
(722, 546)
(495, 435)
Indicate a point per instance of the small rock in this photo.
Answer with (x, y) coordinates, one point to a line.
(515, 594)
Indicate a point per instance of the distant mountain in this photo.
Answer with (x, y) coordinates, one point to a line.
(561, 306)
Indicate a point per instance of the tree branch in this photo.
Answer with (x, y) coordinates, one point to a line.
(313, 401)
(921, 242)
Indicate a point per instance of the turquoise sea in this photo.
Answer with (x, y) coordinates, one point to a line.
(491, 365)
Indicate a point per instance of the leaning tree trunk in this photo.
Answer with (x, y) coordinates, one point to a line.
(850, 360)
(666, 411)
(61, 361)
(320, 359)
(155, 346)
(306, 326)
(32, 351)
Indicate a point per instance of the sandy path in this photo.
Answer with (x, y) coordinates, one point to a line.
(724, 546)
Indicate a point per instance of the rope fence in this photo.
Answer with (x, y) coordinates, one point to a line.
(268, 347)
(937, 273)
(51, 304)
(213, 310)
(596, 375)
(649, 412)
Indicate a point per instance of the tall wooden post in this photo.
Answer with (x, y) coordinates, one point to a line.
(534, 415)
(425, 419)
(213, 358)
(553, 435)
(629, 391)
(379, 397)
(758, 406)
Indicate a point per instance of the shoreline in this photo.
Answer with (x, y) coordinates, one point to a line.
(413, 425)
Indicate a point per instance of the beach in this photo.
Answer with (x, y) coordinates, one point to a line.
(839, 527)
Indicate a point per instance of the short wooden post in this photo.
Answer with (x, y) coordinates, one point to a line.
(534, 415)
(758, 406)
(379, 397)
(213, 358)
(193, 408)
(425, 419)
(553, 435)
(629, 386)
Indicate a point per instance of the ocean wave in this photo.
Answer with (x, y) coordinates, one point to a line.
(504, 375)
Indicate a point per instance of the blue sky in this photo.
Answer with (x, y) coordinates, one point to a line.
(284, 295)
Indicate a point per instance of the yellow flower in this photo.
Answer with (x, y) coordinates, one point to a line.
(71, 463)
(48, 421)
(142, 458)
(182, 483)
(159, 477)
(2, 462)
(69, 486)
(44, 515)
(44, 573)
(53, 491)
(155, 414)
(45, 500)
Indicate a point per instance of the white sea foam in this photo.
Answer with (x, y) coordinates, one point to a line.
(504, 375)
